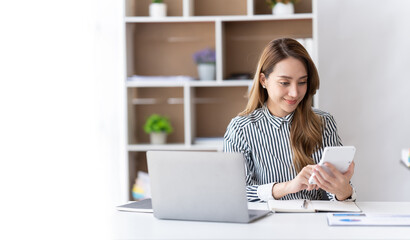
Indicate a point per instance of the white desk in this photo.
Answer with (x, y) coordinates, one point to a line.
(128, 225)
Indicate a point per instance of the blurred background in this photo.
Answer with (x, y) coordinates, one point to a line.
(364, 68)
(62, 103)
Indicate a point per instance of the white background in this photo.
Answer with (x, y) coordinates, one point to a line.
(62, 107)
(62, 117)
(364, 65)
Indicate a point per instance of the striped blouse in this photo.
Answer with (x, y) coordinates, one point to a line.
(264, 139)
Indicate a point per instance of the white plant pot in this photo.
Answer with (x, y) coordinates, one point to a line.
(283, 9)
(158, 10)
(158, 138)
(206, 71)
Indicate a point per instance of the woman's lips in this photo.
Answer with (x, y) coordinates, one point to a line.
(291, 102)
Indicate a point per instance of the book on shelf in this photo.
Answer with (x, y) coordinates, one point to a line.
(405, 156)
(303, 205)
(142, 186)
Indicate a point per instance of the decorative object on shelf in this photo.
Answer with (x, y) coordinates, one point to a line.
(405, 156)
(158, 127)
(240, 76)
(157, 9)
(141, 188)
(282, 7)
(205, 60)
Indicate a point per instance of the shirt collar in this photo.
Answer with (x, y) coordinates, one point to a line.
(277, 121)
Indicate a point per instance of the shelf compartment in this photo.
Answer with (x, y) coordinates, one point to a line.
(141, 7)
(166, 49)
(155, 100)
(210, 119)
(302, 6)
(219, 7)
(245, 47)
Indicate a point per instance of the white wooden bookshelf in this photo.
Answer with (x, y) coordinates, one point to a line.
(198, 110)
(220, 18)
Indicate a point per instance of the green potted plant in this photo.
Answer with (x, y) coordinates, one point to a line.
(282, 7)
(157, 9)
(158, 127)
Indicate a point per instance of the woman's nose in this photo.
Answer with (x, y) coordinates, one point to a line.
(293, 91)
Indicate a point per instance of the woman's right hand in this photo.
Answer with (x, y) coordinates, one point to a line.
(301, 181)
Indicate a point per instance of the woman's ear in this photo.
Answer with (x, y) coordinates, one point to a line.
(262, 79)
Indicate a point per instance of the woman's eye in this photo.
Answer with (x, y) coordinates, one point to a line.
(302, 83)
(284, 83)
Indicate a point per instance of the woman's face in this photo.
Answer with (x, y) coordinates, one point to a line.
(286, 86)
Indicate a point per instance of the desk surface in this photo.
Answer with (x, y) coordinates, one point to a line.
(129, 225)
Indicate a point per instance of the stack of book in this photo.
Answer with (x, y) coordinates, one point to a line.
(405, 157)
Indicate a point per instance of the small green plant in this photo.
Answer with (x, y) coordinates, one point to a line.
(272, 3)
(157, 123)
(157, 1)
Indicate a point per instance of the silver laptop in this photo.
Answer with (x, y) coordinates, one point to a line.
(201, 186)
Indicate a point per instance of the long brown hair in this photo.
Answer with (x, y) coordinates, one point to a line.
(306, 128)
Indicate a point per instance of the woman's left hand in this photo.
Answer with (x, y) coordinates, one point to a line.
(338, 184)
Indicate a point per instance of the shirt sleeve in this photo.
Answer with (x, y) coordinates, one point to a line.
(234, 141)
(331, 138)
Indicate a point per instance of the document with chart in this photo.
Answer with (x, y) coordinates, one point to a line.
(362, 219)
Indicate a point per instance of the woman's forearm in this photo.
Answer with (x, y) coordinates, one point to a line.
(345, 194)
(280, 189)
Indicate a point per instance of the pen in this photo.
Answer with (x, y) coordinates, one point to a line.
(304, 203)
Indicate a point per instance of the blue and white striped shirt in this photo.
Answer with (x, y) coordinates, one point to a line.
(264, 139)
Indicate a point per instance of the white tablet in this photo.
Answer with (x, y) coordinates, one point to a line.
(340, 157)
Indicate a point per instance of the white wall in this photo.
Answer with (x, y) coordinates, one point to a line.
(364, 65)
(62, 117)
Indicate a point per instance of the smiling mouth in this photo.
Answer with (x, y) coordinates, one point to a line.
(291, 102)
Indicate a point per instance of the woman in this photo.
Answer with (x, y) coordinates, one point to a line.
(281, 136)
